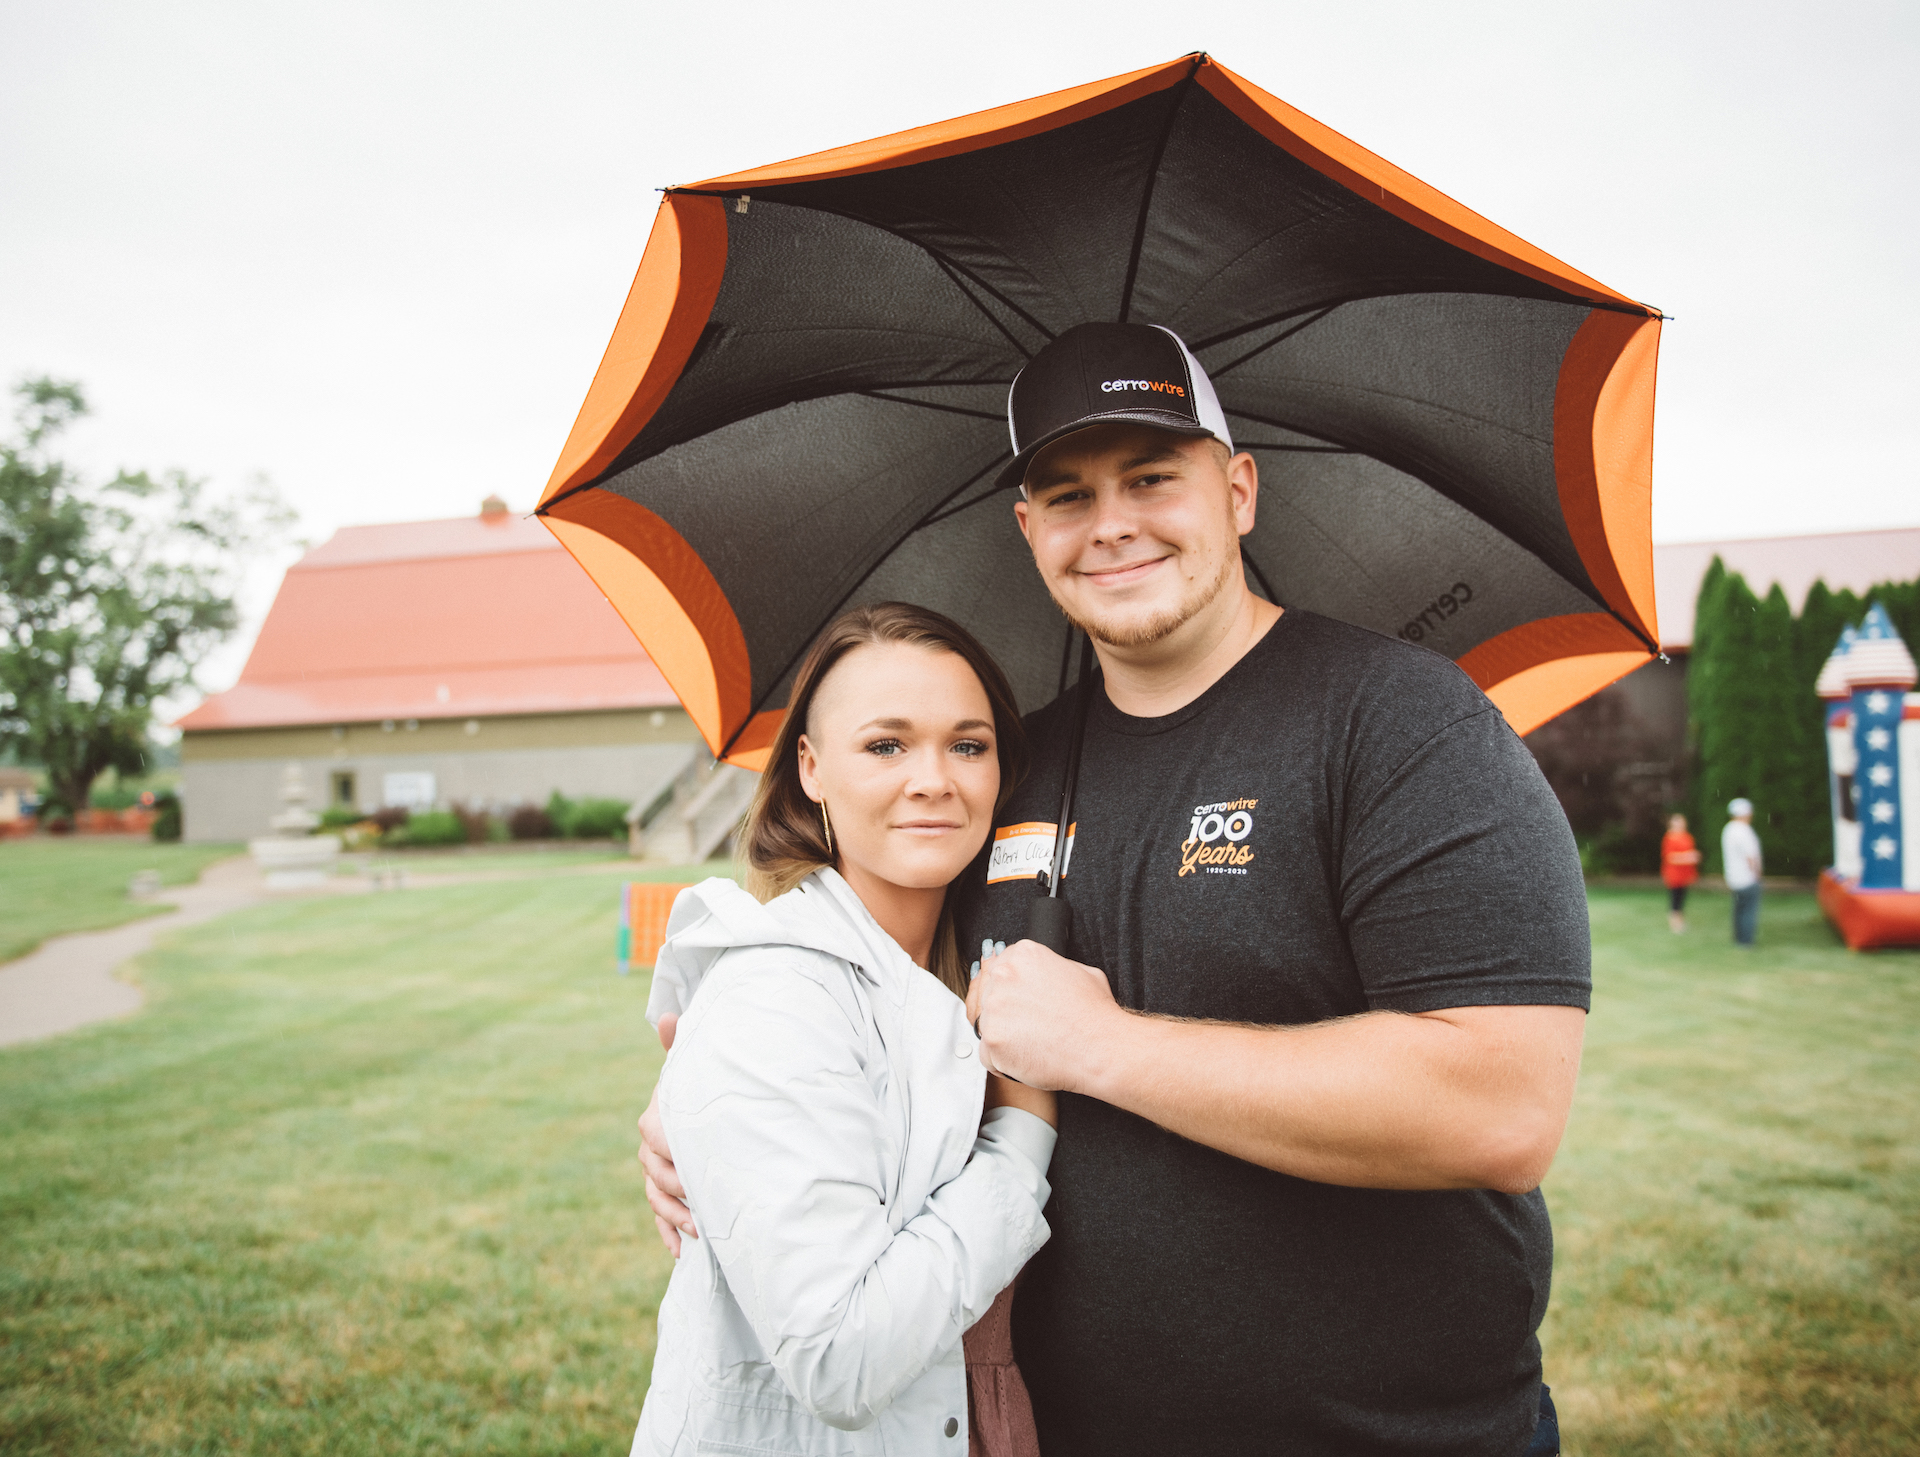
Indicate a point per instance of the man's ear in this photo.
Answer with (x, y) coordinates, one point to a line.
(1020, 515)
(1243, 480)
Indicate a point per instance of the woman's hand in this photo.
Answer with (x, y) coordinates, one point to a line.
(1006, 1093)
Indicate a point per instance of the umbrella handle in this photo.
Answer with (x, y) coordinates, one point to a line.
(1050, 922)
(1049, 917)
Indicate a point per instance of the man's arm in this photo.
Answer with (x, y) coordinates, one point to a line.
(1468, 1097)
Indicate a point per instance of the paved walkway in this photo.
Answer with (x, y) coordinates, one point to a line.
(69, 981)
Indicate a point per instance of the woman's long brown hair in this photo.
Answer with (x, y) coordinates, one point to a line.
(786, 841)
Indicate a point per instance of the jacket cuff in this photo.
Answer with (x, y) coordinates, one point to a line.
(1029, 1138)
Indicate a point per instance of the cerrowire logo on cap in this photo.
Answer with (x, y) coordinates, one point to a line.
(1157, 386)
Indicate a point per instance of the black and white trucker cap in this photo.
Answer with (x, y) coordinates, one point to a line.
(1095, 374)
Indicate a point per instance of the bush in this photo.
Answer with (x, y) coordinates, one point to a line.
(167, 822)
(587, 819)
(530, 822)
(391, 818)
(435, 827)
(339, 816)
(118, 796)
(477, 823)
(599, 819)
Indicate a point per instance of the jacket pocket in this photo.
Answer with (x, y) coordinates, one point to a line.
(755, 1416)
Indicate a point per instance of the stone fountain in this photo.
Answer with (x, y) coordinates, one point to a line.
(293, 857)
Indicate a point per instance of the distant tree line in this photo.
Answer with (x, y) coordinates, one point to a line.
(1755, 722)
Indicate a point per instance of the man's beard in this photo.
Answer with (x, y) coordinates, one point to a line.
(1163, 624)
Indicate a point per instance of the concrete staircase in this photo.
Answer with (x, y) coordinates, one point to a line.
(696, 816)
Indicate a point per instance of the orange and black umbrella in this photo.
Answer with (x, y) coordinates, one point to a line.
(803, 404)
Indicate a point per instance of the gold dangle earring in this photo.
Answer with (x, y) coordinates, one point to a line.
(828, 824)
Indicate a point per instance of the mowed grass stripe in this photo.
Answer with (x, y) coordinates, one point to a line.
(361, 1178)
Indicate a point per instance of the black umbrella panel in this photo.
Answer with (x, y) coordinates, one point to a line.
(803, 405)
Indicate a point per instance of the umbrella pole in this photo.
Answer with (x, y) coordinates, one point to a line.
(1049, 917)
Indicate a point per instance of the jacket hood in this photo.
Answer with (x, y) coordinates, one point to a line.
(820, 914)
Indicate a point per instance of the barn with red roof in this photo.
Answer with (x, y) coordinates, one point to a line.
(433, 663)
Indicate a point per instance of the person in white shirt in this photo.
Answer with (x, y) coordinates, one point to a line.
(1740, 854)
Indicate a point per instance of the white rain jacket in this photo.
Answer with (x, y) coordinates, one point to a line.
(822, 1101)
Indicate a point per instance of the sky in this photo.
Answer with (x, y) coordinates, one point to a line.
(374, 251)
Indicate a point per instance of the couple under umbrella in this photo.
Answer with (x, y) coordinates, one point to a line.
(1345, 486)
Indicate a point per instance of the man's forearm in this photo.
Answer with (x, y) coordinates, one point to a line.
(1474, 1097)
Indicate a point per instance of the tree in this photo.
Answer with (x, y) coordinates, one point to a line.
(1758, 727)
(110, 597)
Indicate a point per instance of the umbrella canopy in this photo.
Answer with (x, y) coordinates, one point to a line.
(803, 404)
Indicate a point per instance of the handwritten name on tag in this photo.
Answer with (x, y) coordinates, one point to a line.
(1020, 852)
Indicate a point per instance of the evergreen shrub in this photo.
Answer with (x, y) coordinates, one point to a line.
(435, 827)
(1757, 725)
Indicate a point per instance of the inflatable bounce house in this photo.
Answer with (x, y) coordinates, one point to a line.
(1872, 892)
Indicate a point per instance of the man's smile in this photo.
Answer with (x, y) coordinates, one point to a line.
(1123, 575)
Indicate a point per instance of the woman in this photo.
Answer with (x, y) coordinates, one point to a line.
(1679, 868)
(824, 1090)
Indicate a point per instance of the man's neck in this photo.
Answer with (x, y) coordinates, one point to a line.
(1165, 676)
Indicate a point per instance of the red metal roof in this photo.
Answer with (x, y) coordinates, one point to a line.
(467, 618)
(1851, 559)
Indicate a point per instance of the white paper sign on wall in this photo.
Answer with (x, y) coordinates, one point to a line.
(411, 790)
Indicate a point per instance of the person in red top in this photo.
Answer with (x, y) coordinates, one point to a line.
(1679, 868)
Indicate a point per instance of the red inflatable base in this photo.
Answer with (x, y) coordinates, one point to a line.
(1866, 919)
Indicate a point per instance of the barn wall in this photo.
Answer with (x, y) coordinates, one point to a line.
(230, 780)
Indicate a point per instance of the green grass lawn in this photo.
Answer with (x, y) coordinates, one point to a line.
(1737, 1203)
(360, 1180)
(50, 885)
(509, 860)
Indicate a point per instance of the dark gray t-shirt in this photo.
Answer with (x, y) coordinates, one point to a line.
(1341, 824)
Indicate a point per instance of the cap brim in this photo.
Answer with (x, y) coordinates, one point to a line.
(1015, 470)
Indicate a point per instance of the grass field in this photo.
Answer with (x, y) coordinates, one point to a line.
(51, 885)
(360, 1180)
(1737, 1203)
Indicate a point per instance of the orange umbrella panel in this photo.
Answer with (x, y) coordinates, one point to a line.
(803, 405)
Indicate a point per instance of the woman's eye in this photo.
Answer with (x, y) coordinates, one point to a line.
(885, 748)
(970, 748)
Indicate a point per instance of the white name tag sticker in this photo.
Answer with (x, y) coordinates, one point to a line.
(1021, 852)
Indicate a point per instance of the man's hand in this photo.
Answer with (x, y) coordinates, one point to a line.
(666, 1195)
(1041, 1017)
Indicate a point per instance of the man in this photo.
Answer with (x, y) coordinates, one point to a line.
(1740, 855)
(1318, 1041)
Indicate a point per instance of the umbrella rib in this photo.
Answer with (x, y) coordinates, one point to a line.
(1146, 199)
(1319, 310)
(946, 265)
(929, 405)
(1599, 599)
(954, 277)
(1280, 338)
(953, 511)
(834, 611)
(1295, 449)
